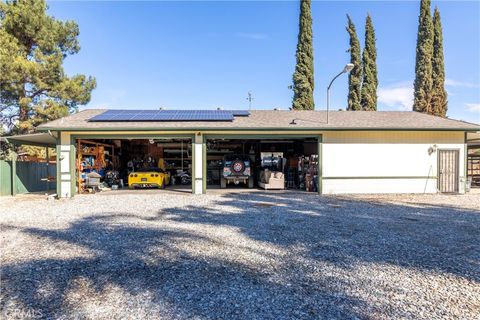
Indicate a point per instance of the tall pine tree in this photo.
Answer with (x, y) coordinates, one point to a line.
(439, 94)
(303, 76)
(355, 76)
(370, 79)
(423, 65)
(33, 85)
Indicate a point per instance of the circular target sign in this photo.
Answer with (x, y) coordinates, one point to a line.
(238, 166)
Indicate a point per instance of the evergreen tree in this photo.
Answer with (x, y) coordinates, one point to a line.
(303, 76)
(355, 76)
(33, 85)
(423, 65)
(369, 62)
(439, 94)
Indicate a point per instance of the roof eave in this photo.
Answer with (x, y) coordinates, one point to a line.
(253, 129)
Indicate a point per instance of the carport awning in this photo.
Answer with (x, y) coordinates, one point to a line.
(33, 139)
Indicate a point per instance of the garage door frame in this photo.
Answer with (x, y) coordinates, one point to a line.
(118, 136)
(247, 136)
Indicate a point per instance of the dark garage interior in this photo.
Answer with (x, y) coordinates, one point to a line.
(107, 163)
(270, 164)
(273, 163)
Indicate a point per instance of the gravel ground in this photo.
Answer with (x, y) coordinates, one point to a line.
(275, 255)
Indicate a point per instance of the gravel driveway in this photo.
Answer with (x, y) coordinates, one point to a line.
(275, 255)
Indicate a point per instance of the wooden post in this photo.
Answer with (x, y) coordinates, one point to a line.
(78, 166)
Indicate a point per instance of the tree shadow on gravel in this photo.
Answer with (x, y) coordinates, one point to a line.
(151, 254)
(347, 230)
(180, 283)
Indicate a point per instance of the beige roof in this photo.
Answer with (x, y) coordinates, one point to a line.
(273, 119)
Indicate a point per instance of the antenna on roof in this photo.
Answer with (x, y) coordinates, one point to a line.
(250, 99)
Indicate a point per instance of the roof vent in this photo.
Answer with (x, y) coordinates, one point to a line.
(219, 108)
(276, 109)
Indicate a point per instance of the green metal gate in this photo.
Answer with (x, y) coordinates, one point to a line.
(5, 178)
(29, 177)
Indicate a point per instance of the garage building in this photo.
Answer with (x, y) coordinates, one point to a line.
(355, 152)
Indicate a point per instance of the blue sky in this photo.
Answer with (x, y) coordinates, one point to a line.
(202, 55)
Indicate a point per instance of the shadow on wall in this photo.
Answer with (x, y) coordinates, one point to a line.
(169, 257)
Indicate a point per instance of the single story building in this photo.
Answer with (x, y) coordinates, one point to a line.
(354, 152)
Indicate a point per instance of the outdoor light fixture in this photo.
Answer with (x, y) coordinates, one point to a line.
(348, 67)
(151, 141)
(432, 149)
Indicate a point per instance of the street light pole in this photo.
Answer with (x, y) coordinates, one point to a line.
(348, 68)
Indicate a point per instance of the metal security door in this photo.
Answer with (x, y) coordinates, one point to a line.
(448, 171)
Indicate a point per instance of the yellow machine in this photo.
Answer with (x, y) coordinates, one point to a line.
(148, 178)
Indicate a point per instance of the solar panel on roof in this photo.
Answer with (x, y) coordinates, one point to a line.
(164, 115)
(240, 113)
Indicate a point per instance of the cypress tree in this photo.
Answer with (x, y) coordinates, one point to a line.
(355, 76)
(439, 94)
(423, 64)
(303, 76)
(370, 79)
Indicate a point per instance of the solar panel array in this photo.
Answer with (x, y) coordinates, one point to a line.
(169, 115)
(240, 113)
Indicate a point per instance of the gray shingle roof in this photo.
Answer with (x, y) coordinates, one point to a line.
(279, 120)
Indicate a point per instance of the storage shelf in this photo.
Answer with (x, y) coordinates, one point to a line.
(177, 159)
(98, 155)
(219, 151)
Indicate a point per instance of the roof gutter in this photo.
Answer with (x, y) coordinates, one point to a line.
(49, 129)
(51, 134)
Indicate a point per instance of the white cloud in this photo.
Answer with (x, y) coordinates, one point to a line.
(473, 107)
(455, 83)
(398, 96)
(252, 36)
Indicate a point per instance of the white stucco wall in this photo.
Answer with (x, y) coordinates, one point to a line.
(386, 162)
